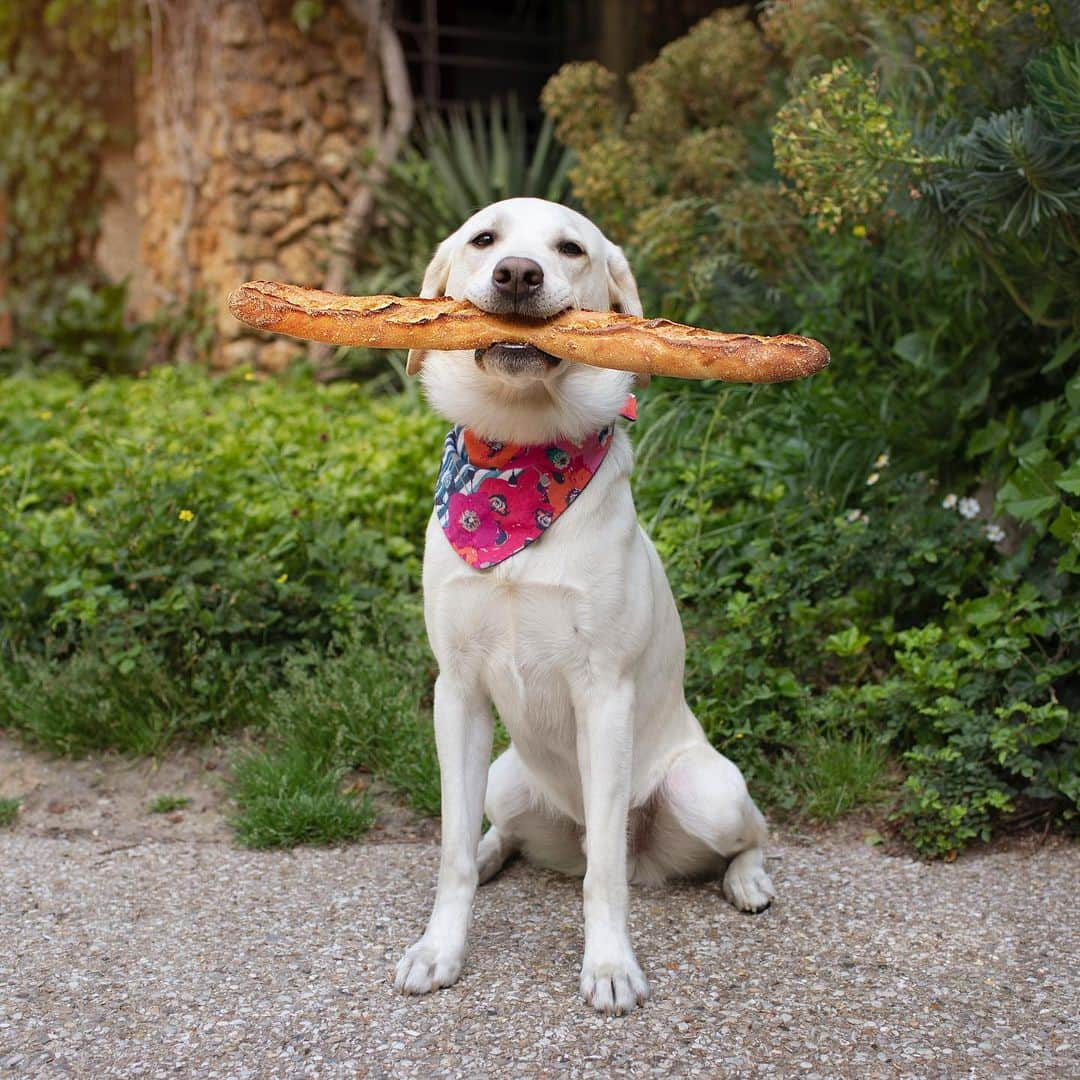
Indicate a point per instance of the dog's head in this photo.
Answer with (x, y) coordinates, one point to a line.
(534, 258)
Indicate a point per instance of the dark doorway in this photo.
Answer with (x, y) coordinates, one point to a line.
(466, 50)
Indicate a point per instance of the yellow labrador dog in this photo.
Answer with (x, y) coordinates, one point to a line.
(575, 639)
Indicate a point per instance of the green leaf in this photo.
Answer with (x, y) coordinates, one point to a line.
(849, 642)
(974, 395)
(1030, 493)
(1066, 526)
(988, 438)
(986, 609)
(62, 588)
(913, 348)
(1063, 353)
(1069, 480)
(1072, 392)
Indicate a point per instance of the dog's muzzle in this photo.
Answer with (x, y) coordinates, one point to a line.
(516, 360)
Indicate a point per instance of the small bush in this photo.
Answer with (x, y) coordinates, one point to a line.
(84, 702)
(170, 539)
(842, 772)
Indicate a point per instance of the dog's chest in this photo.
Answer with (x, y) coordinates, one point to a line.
(512, 628)
(526, 645)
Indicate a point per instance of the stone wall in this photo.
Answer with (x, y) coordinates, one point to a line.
(250, 142)
(116, 249)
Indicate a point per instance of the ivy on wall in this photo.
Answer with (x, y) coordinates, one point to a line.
(61, 64)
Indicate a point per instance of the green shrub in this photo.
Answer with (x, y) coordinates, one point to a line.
(832, 644)
(917, 214)
(85, 333)
(91, 700)
(169, 539)
(9, 811)
(63, 65)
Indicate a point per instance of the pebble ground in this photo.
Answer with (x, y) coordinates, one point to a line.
(167, 959)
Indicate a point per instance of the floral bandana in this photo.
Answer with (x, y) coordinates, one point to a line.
(494, 499)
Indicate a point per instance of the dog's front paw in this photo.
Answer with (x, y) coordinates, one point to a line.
(614, 987)
(426, 967)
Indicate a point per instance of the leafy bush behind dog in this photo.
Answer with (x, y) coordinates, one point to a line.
(877, 568)
(169, 540)
(884, 558)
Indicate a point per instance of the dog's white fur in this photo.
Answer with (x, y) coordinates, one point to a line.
(575, 641)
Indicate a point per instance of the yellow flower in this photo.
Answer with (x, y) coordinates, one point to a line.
(45, 414)
(881, 461)
(872, 479)
(90, 510)
(248, 377)
(186, 515)
(859, 230)
(281, 580)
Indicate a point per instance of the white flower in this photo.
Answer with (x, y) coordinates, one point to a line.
(968, 508)
(995, 533)
(881, 460)
(854, 515)
(949, 502)
(872, 479)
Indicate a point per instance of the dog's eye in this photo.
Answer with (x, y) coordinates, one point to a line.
(484, 239)
(568, 247)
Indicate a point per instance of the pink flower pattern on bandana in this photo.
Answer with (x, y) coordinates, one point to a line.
(495, 499)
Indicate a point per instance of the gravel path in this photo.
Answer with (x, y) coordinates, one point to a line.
(199, 959)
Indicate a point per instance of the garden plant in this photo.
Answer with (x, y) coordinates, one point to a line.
(877, 569)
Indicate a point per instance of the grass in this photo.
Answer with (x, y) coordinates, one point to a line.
(365, 706)
(9, 811)
(83, 705)
(86, 703)
(841, 773)
(290, 797)
(368, 707)
(166, 804)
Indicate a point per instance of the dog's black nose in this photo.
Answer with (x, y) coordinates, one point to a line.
(517, 277)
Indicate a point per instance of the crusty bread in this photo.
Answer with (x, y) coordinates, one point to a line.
(601, 338)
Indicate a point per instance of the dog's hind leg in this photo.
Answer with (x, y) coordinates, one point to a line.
(507, 799)
(493, 853)
(521, 822)
(707, 817)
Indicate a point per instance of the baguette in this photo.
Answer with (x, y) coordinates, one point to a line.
(601, 338)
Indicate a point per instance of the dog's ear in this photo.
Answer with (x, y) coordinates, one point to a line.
(436, 276)
(622, 288)
(623, 291)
